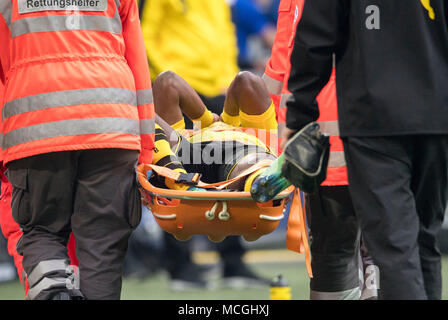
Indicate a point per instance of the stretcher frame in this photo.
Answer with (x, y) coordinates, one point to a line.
(218, 214)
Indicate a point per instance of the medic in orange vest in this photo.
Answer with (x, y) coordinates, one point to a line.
(101, 50)
(9, 227)
(76, 78)
(276, 76)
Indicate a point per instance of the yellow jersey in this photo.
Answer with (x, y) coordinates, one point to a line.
(220, 131)
(193, 38)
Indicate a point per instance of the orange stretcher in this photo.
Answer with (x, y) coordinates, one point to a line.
(217, 213)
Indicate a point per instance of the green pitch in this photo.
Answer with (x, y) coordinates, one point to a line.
(156, 287)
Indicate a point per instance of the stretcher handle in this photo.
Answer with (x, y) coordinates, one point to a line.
(296, 234)
(142, 170)
(175, 175)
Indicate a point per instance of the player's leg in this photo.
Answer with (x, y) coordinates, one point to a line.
(164, 156)
(248, 93)
(173, 97)
(248, 103)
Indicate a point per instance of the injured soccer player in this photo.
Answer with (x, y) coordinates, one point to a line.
(215, 149)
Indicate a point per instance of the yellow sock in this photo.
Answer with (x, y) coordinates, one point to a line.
(266, 120)
(231, 120)
(204, 121)
(179, 125)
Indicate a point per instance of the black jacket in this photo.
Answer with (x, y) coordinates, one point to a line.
(391, 66)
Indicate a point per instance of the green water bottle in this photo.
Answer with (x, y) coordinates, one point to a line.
(280, 289)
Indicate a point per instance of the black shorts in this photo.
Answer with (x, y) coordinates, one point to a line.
(214, 160)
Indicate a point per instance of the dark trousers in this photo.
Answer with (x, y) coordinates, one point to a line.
(335, 243)
(399, 191)
(92, 193)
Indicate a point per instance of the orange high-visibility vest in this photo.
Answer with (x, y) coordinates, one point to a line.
(276, 78)
(2, 88)
(77, 77)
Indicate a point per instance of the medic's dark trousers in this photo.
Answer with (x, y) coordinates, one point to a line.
(335, 244)
(399, 190)
(90, 192)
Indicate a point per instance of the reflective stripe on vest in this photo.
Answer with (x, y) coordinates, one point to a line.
(69, 98)
(336, 159)
(283, 100)
(66, 23)
(331, 128)
(144, 97)
(147, 126)
(70, 128)
(61, 22)
(274, 86)
(6, 11)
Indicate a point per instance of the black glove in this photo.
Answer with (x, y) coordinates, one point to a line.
(306, 158)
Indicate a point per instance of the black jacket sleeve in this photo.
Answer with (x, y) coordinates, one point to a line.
(320, 34)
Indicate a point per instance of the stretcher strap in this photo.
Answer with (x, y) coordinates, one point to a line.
(175, 175)
(296, 234)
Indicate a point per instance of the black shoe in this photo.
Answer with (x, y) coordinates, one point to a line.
(240, 276)
(189, 277)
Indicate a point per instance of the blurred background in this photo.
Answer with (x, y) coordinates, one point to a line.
(255, 24)
(212, 40)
